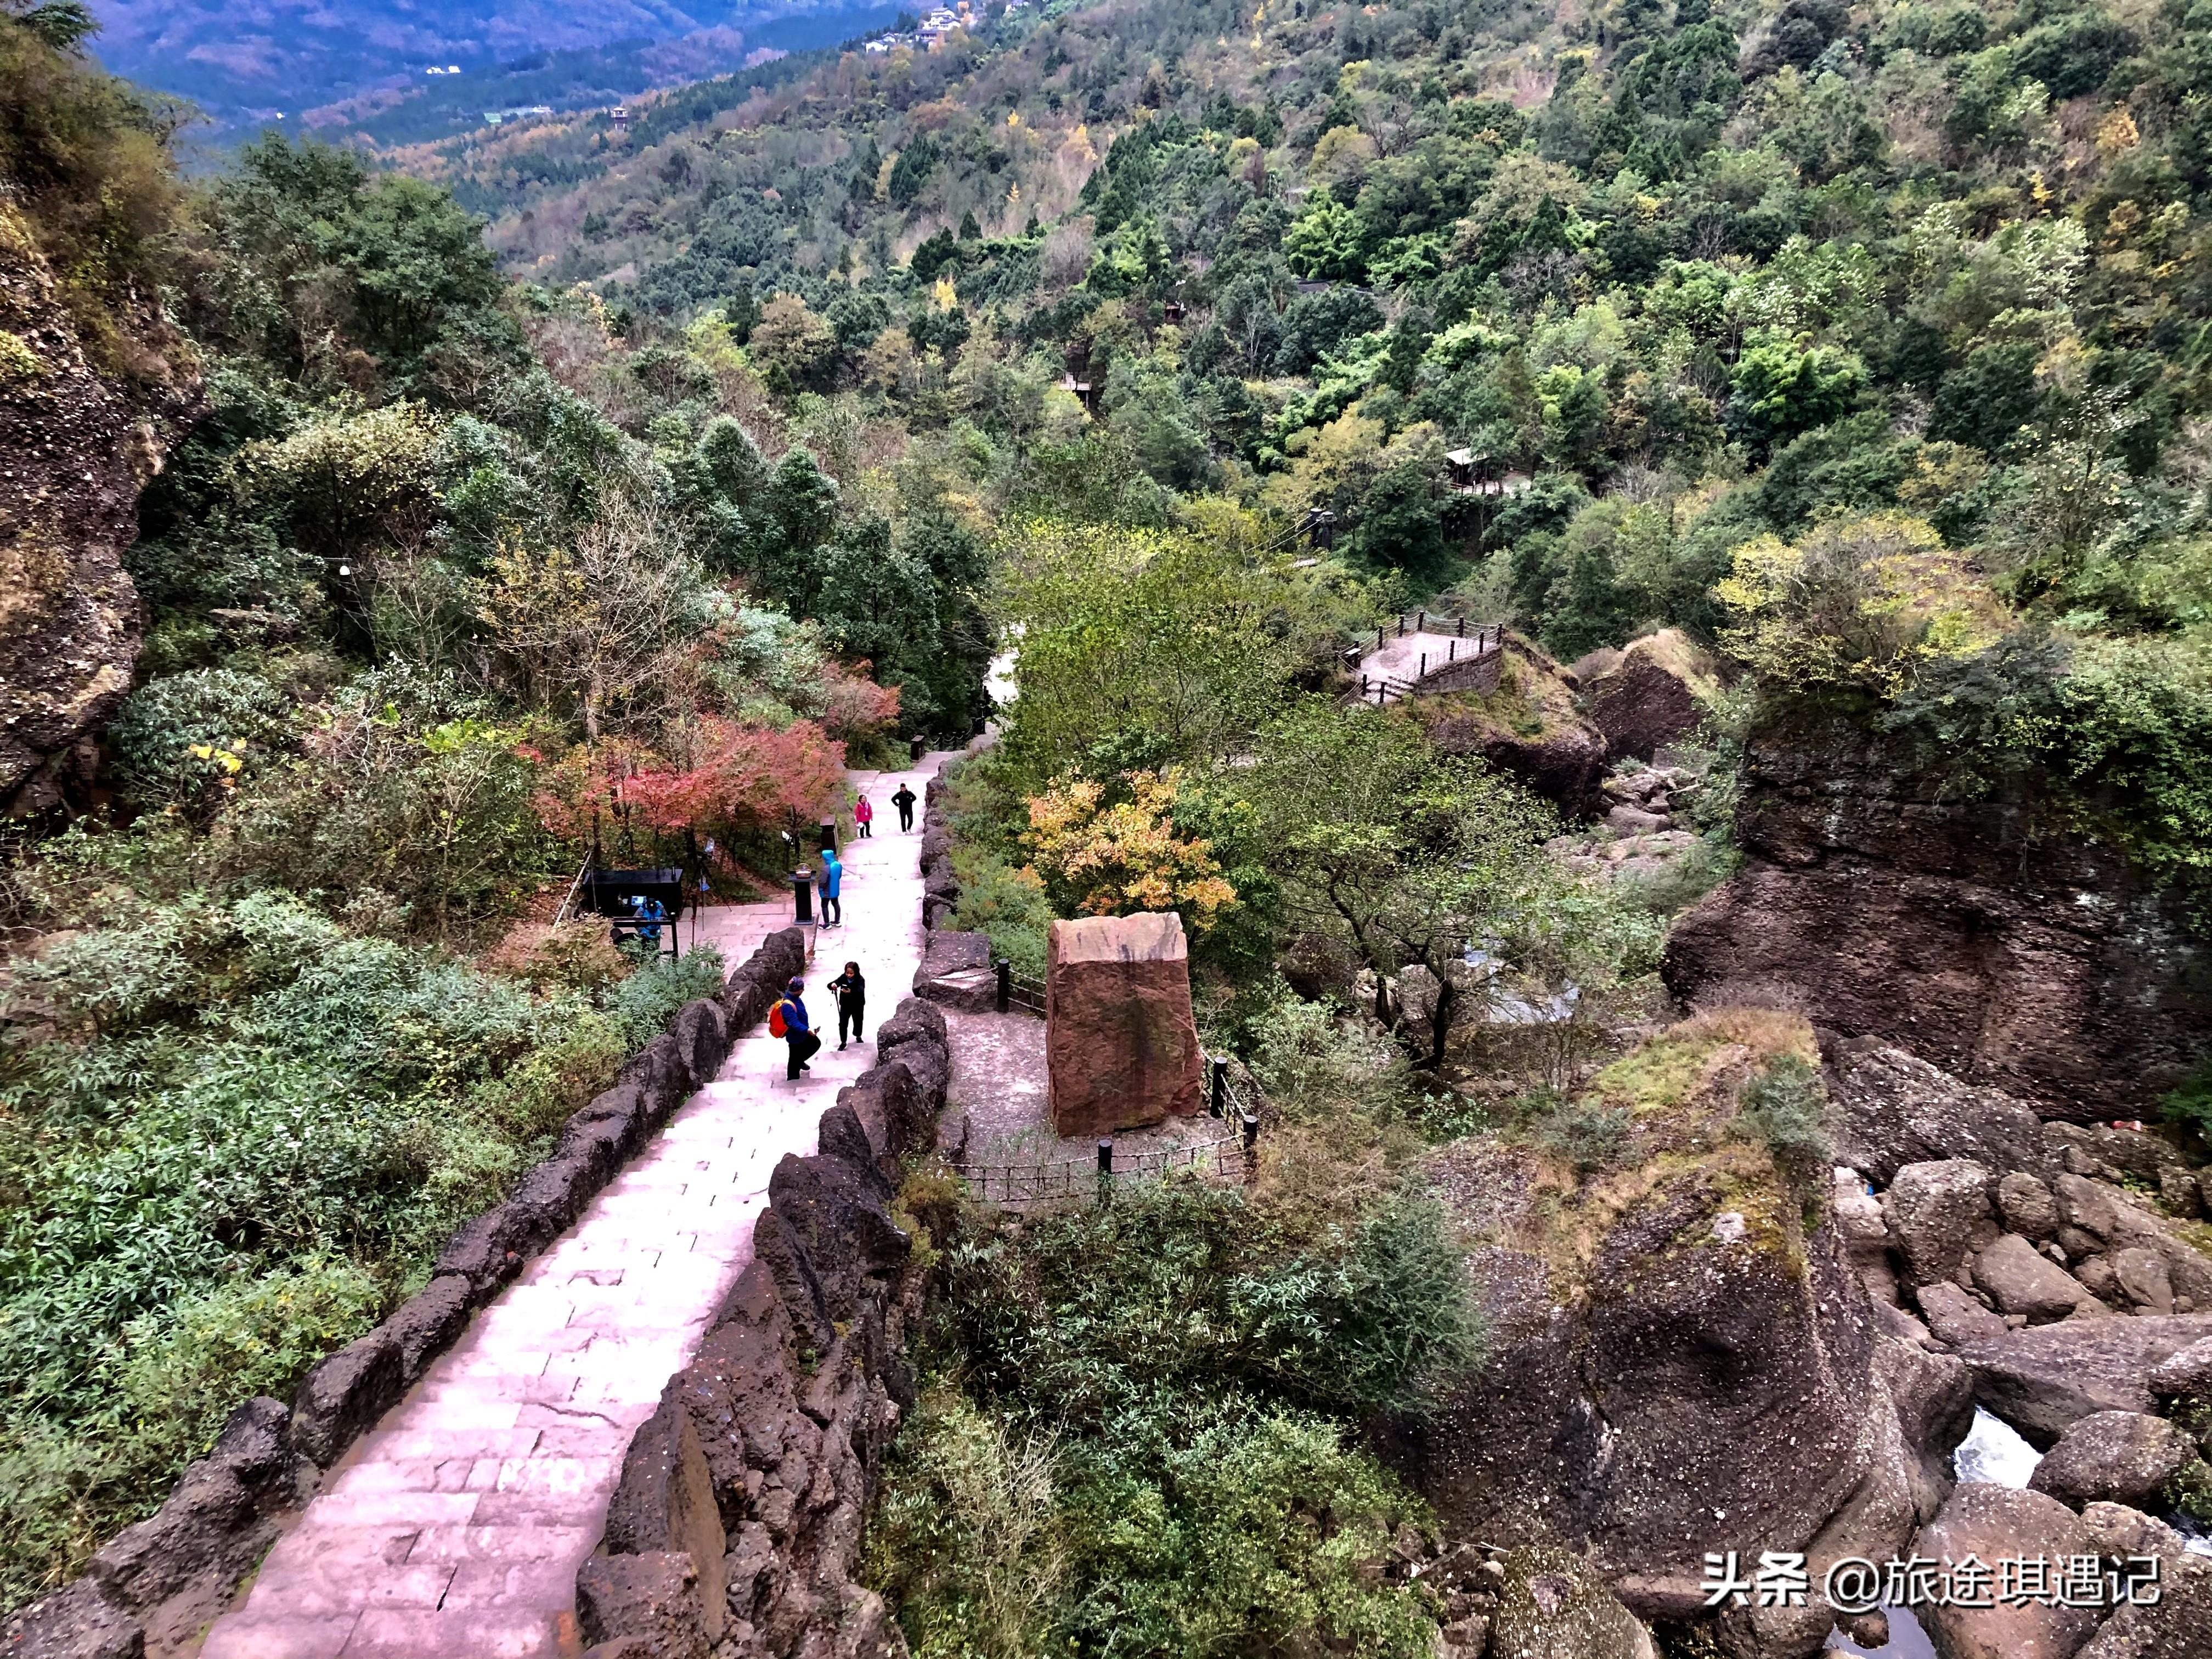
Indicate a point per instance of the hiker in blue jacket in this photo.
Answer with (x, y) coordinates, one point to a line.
(830, 880)
(798, 1030)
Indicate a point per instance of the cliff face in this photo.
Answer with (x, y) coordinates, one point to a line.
(1983, 936)
(1681, 1358)
(77, 442)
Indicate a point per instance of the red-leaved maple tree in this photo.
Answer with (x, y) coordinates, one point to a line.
(741, 779)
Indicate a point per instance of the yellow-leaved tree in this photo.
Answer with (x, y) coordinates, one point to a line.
(1861, 603)
(1104, 861)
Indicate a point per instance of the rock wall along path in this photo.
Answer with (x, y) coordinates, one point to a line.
(455, 1530)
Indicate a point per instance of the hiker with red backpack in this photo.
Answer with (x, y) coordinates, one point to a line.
(788, 1020)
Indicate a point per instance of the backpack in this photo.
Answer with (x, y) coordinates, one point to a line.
(775, 1026)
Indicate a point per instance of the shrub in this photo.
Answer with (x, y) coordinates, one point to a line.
(1263, 1533)
(1684, 879)
(180, 740)
(1862, 604)
(1374, 1329)
(1782, 1108)
(1585, 1134)
(2191, 1105)
(228, 1133)
(185, 1367)
(646, 1001)
(1259, 1531)
(557, 1079)
(1313, 1063)
(1006, 904)
(1110, 1315)
(963, 1536)
(1106, 861)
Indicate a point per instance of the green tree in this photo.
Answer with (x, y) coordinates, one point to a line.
(1403, 856)
(1780, 391)
(1139, 649)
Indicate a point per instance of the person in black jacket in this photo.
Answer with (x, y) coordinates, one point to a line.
(852, 993)
(903, 800)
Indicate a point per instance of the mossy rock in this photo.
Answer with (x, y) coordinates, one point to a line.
(1681, 1354)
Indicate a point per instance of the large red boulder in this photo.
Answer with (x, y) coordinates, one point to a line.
(1120, 1043)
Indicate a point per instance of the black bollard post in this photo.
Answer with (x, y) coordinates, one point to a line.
(1424, 674)
(802, 896)
(1251, 1133)
(1451, 652)
(1006, 984)
(1105, 1172)
(1421, 622)
(1220, 1088)
(1462, 627)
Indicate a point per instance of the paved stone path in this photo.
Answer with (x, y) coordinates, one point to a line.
(455, 1528)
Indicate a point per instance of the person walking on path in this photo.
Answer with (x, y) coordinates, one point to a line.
(852, 993)
(905, 801)
(797, 1029)
(863, 815)
(831, 881)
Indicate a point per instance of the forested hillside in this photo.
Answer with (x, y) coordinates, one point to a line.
(1708, 276)
(608, 488)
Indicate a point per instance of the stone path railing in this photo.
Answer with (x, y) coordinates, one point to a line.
(455, 1528)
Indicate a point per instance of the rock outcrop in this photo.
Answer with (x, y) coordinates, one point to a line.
(1120, 1039)
(78, 439)
(2045, 1378)
(1888, 1108)
(1983, 936)
(2114, 1457)
(1989, 1523)
(1649, 694)
(1683, 1359)
(1530, 727)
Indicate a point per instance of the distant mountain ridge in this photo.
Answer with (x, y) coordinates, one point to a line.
(254, 61)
